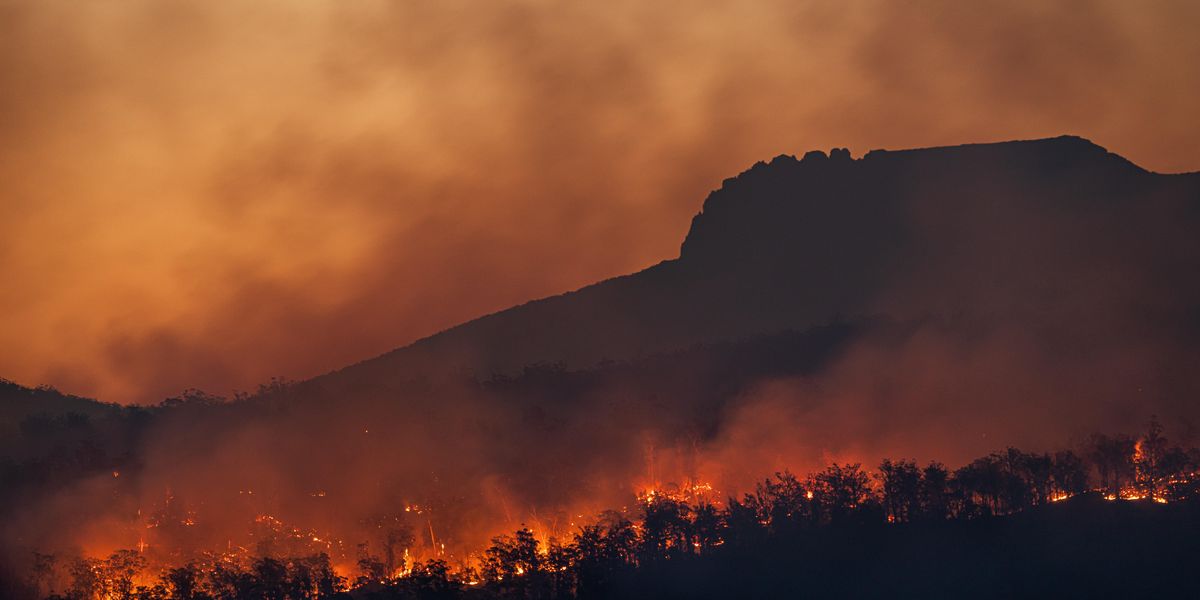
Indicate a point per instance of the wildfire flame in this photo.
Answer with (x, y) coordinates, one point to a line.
(154, 527)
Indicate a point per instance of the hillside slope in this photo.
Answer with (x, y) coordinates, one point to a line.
(1026, 230)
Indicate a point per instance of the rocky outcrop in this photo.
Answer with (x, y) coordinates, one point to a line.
(1029, 226)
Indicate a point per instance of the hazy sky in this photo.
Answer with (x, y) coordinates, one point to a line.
(208, 194)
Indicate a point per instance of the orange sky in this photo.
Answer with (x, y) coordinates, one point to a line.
(209, 194)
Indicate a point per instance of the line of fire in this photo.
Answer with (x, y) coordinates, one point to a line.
(572, 553)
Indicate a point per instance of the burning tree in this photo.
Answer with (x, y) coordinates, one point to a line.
(669, 527)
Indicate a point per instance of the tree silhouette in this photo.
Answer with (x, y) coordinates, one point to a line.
(183, 583)
(228, 581)
(513, 563)
(1113, 459)
(393, 535)
(901, 490)
(120, 569)
(431, 580)
(840, 490)
(1037, 470)
(1149, 453)
(558, 565)
(370, 568)
(604, 551)
(978, 487)
(746, 521)
(87, 580)
(271, 579)
(785, 503)
(42, 572)
(1069, 473)
(934, 492)
(707, 524)
(594, 565)
(666, 528)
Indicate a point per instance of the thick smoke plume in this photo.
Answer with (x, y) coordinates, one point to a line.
(212, 194)
(205, 196)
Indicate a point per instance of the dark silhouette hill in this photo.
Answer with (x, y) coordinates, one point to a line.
(1058, 230)
(932, 303)
(1058, 235)
(42, 407)
(1047, 273)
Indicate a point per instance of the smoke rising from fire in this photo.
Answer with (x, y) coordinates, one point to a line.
(207, 195)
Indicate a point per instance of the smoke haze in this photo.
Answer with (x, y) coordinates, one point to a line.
(211, 194)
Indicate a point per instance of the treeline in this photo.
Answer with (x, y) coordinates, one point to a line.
(674, 526)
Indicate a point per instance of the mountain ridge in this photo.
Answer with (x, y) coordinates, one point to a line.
(787, 244)
(826, 217)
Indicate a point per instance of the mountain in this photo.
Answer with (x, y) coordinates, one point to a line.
(926, 304)
(1052, 232)
(1057, 237)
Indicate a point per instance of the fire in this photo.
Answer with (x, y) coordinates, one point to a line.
(687, 492)
(1130, 494)
(432, 533)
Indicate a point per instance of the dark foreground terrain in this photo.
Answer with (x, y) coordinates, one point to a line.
(1084, 547)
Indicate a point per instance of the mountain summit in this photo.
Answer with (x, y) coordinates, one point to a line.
(1056, 233)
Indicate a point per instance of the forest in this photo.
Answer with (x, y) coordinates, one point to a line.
(1116, 515)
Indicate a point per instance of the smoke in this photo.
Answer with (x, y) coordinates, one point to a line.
(454, 462)
(208, 195)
